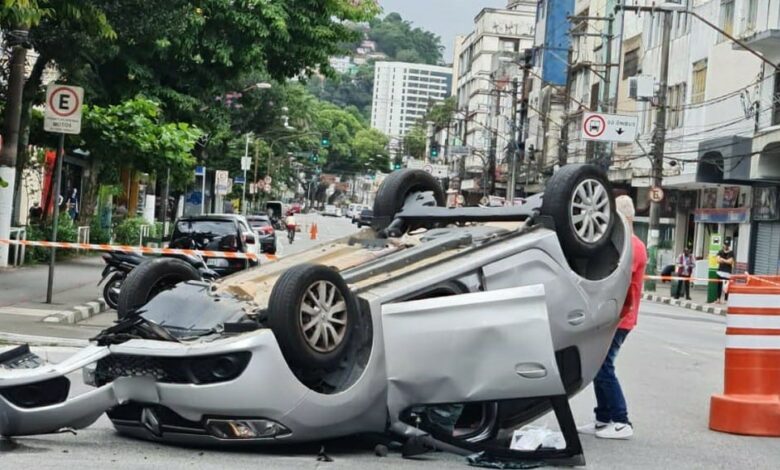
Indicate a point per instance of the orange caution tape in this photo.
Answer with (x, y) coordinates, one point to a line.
(136, 249)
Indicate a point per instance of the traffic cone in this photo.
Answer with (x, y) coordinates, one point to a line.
(750, 403)
(313, 232)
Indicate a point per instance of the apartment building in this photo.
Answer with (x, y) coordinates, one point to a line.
(403, 92)
(486, 61)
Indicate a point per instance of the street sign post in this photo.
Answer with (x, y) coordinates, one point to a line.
(63, 116)
(201, 171)
(656, 194)
(63, 109)
(609, 127)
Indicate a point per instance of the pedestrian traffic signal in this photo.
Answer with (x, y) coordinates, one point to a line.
(434, 150)
(325, 140)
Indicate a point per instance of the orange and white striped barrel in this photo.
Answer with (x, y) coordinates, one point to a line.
(750, 403)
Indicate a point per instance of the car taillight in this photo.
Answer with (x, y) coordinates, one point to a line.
(267, 230)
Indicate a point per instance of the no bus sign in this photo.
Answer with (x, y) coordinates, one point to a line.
(63, 109)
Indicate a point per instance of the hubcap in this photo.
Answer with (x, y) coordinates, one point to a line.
(590, 210)
(323, 317)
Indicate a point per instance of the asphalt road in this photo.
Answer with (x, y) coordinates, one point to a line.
(670, 366)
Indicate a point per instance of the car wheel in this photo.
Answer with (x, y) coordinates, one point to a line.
(580, 201)
(149, 279)
(112, 289)
(396, 188)
(313, 313)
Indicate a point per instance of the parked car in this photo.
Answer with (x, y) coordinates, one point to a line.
(354, 336)
(330, 210)
(266, 235)
(217, 232)
(365, 217)
(356, 212)
(350, 211)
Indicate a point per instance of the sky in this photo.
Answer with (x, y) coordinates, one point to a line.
(447, 18)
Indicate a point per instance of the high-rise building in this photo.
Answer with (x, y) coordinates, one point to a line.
(403, 92)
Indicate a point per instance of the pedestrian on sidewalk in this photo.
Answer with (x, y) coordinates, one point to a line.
(725, 259)
(611, 410)
(684, 268)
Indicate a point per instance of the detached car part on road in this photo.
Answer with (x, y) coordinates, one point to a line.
(497, 322)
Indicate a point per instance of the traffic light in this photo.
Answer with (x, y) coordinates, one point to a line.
(325, 139)
(434, 150)
(314, 157)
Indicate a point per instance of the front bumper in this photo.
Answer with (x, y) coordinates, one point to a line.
(267, 389)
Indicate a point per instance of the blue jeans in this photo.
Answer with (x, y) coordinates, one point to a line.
(610, 402)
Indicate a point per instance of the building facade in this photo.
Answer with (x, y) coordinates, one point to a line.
(403, 92)
(486, 62)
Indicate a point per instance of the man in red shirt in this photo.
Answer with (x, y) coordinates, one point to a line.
(611, 410)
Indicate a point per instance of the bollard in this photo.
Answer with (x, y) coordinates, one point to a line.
(750, 403)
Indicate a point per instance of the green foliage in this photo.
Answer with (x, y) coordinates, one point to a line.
(128, 232)
(414, 142)
(66, 232)
(133, 133)
(396, 38)
(98, 233)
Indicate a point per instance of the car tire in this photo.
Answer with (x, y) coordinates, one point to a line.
(580, 201)
(111, 290)
(149, 279)
(298, 296)
(392, 194)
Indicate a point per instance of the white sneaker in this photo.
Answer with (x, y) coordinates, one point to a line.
(592, 428)
(616, 431)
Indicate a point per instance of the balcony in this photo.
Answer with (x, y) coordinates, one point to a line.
(766, 41)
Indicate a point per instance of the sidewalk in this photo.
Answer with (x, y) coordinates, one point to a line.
(23, 306)
(698, 300)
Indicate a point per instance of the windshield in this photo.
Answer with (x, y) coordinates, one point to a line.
(259, 223)
(218, 228)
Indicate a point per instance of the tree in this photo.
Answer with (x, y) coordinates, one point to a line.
(17, 17)
(370, 145)
(414, 141)
(134, 135)
(396, 38)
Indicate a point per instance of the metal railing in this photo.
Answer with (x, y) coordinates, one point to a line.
(18, 233)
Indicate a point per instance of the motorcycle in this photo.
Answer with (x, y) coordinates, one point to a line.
(291, 233)
(119, 265)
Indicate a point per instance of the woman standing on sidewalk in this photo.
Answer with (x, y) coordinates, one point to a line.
(685, 264)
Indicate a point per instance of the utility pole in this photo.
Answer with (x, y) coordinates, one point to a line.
(606, 105)
(659, 139)
(494, 146)
(514, 144)
(563, 148)
(13, 112)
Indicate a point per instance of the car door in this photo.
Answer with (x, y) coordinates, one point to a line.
(474, 347)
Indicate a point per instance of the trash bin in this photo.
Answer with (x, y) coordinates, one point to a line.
(712, 287)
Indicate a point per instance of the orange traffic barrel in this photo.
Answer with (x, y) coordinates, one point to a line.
(750, 403)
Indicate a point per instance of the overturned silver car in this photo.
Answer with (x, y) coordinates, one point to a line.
(490, 316)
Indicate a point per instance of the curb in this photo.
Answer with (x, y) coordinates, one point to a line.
(685, 304)
(42, 340)
(79, 312)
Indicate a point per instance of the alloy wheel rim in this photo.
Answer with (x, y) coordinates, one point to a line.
(590, 210)
(323, 317)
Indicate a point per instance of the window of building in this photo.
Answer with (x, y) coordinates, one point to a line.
(726, 18)
(699, 77)
(509, 45)
(676, 100)
(631, 63)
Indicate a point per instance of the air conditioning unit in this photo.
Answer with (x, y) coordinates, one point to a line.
(641, 87)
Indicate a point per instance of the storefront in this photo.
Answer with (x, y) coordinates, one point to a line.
(725, 211)
(765, 246)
